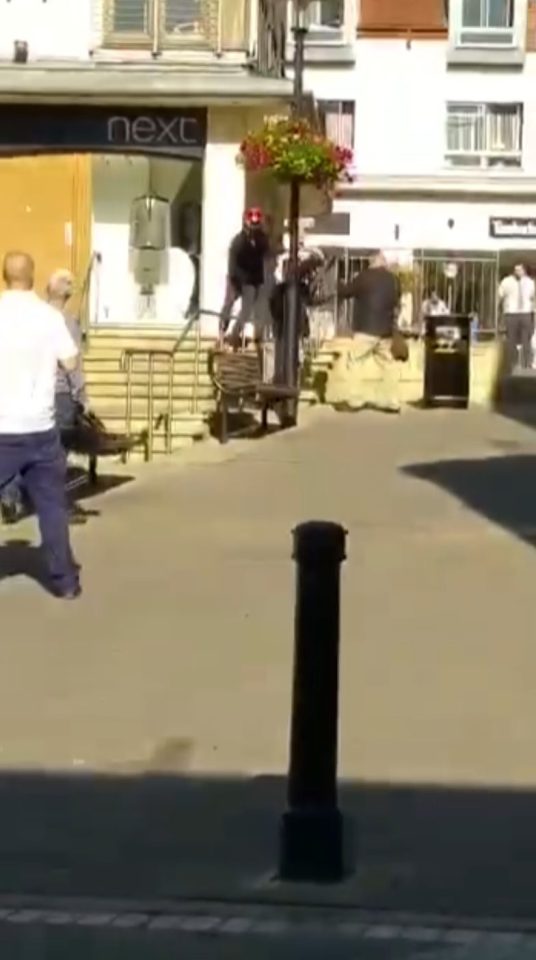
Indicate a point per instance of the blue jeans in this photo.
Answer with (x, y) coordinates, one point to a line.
(39, 460)
(12, 494)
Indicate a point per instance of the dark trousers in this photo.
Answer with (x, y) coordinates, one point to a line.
(254, 309)
(39, 459)
(12, 494)
(519, 330)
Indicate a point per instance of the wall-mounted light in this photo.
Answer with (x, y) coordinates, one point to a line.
(397, 231)
(450, 223)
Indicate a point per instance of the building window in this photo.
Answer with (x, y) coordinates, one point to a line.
(487, 23)
(131, 16)
(183, 16)
(139, 21)
(484, 134)
(337, 117)
(324, 19)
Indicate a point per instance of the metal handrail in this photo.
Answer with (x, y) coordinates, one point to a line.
(127, 363)
(84, 295)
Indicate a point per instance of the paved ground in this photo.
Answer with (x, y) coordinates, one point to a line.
(61, 935)
(143, 731)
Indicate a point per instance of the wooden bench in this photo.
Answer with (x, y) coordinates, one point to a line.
(90, 438)
(237, 378)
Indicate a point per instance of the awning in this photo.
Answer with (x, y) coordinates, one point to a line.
(148, 86)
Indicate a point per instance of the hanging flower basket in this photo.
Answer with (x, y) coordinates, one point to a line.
(293, 150)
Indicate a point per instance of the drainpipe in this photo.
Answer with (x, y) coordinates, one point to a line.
(155, 10)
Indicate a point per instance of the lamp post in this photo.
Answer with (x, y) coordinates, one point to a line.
(293, 300)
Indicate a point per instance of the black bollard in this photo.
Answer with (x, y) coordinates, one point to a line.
(311, 841)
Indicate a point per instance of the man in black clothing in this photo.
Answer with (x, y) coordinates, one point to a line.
(375, 296)
(246, 277)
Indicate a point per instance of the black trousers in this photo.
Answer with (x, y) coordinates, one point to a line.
(254, 309)
(519, 331)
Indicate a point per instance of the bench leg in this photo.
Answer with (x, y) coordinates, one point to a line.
(92, 471)
(264, 418)
(289, 416)
(224, 424)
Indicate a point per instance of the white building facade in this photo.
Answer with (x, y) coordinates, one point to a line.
(152, 98)
(444, 133)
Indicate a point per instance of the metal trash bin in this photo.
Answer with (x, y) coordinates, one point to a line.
(446, 361)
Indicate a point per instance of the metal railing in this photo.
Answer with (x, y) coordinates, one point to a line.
(85, 321)
(149, 356)
(466, 283)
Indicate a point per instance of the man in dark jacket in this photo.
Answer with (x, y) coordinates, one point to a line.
(375, 296)
(246, 277)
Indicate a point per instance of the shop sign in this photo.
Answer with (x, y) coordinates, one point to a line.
(512, 227)
(96, 129)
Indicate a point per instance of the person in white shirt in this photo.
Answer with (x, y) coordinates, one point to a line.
(34, 339)
(433, 306)
(516, 296)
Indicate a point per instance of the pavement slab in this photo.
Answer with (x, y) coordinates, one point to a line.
(144, 729)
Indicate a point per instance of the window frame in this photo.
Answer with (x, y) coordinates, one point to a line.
(323, 103)
(486, 158)
(155, 31)
(484, 35)
(325, 36)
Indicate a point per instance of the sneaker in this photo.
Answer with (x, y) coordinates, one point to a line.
(71, 594)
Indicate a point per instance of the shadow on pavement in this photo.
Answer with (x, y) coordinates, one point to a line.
(22, 558)
(446, 851)
(78, 483)
(501, 488)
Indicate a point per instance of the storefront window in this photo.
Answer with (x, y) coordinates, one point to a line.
(147, 229)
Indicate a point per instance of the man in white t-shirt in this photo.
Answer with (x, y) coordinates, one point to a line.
(34, 339)
(516, 296)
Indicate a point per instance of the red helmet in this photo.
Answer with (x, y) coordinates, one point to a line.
(253, 217)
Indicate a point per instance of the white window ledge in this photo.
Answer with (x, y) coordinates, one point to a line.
(482, 46)
(485, 56)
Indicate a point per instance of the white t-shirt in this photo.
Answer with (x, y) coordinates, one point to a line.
(517, 296)
(33, 339)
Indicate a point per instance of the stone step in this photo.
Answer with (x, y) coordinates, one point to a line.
(115, 360)
(181, 378)
(110, 352)
(183, 425)
(181, 391)
(115, 406)
(149, 332)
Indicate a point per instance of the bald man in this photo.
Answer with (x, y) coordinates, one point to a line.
(34, 339)
(70, 385)
(375, 295)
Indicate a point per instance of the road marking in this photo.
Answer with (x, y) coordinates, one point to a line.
(273, 921)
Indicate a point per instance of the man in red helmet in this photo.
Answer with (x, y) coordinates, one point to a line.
(245, 278)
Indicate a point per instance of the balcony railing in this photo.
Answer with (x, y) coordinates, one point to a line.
(220, 26)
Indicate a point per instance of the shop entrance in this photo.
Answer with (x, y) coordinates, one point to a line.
(115, 195)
